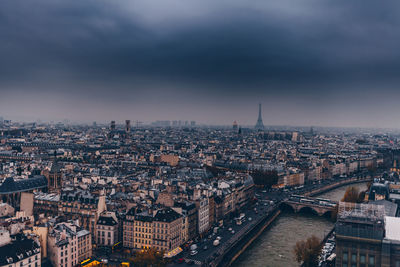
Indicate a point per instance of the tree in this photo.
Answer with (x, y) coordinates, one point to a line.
(265, 178)
(351, 195)
(149, 257)
(308, 251)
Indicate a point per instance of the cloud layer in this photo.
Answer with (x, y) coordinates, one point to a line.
(308, 62)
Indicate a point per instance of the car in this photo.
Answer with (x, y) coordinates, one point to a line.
(250, 219)
(230, 229)
(218, 238)
(193, 252)
(205, 248)
(181, 260)
(233, 231)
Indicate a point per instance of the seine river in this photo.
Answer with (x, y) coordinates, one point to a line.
(275, 246)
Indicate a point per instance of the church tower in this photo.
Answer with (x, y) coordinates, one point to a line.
(54, 177)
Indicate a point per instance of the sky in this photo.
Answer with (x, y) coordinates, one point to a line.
(309, 62)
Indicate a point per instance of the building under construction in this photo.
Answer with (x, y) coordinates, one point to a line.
(362, 236)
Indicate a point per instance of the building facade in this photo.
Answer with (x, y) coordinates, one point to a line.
(107, 229)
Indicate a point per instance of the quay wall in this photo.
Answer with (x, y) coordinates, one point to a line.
(236, 249)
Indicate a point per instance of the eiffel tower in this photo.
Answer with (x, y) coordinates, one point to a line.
(259, 125)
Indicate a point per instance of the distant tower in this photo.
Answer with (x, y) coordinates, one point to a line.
(112, 125)
(235, 126)
(127, 126)
(259, 125)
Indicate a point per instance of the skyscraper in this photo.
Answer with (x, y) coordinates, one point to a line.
(112, 125)
(259, 125)
(127, 126)
(235, 126)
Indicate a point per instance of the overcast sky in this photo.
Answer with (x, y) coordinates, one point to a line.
(315, 62)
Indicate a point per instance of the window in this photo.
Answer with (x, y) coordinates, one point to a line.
(353, 257)
(345, 257)
(371, 261)
(363, 260)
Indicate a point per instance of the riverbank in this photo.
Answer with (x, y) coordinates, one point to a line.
(259, 232)
(288, 228)
(231, 252)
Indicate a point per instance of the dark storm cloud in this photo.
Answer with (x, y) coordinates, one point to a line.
(190, 48)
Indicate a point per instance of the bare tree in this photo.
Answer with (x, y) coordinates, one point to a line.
(308, 251)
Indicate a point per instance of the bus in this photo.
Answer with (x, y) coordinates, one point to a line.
(323, 199)
(304, 200)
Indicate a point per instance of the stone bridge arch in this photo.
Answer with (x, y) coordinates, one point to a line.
(299, 207)
(308, 208)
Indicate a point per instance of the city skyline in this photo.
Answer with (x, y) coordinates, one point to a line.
(309, 63)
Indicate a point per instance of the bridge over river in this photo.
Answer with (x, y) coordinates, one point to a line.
(320, 206)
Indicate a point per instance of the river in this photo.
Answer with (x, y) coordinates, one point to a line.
(275, 246)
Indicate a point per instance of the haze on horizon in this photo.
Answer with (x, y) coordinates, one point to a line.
(309, 62)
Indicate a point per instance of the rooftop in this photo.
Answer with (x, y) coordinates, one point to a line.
(10, 185)
(392, 227)
(19, 249)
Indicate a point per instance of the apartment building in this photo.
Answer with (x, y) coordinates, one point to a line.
(107, 229)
